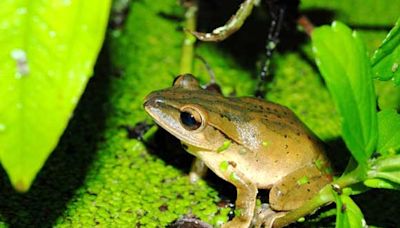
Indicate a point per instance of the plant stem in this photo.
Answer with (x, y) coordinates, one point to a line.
(189, 39)
(353, 177)
(325, 196)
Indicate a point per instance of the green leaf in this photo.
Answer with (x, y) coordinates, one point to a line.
(388, 95)
(381, 183)
(385, 167)
(48, 49)
(347, 213)
(343, 62)
(386, 59)
(389, 132)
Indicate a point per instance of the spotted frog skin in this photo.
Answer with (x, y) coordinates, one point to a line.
(251, 143)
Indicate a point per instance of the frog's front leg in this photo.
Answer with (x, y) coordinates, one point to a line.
(198, 170)
(246, 198)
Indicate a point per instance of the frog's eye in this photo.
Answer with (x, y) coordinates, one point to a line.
(191, 119)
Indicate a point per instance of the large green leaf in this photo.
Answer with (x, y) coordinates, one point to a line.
(48, 49)
(389, 132)
(386, 59)
(348, 214)
(343, 62)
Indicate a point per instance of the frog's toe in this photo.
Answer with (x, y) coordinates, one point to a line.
(198, 170)
(194, 177)
(265, 216)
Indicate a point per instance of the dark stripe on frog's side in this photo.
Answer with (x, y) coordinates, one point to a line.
(241, 111)
(204, 97)
(236, 112)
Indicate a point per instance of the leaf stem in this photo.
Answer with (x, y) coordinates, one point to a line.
(353, 177)
(325, 196)
(189, 39)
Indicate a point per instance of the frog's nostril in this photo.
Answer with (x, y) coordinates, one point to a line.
(149, 101)
(152, 100)
(145, 103)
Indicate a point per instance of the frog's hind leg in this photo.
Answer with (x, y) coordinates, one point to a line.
(292, 191)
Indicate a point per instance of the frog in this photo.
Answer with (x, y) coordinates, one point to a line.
(247, 141)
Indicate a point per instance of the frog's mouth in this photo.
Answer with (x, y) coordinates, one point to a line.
(162, 114)
(163, 118)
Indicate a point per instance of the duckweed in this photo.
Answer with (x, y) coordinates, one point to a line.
(303, 180)
(233, 177)
(224, 146)
(223, 166)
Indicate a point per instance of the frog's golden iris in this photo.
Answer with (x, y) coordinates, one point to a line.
(190, 119)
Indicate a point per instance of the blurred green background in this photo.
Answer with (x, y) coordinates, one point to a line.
(100, 176)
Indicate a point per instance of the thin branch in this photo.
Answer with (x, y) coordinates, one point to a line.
(189, 40)
(234, 24)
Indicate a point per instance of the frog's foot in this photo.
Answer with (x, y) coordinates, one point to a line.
(265, 217)
(234, 24)
(245, 207)
(194, 177)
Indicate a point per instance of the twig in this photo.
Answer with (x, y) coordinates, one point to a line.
(306, 24)
(189, 39)
(234, 24)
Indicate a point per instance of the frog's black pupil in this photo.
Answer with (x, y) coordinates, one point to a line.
(189, 121)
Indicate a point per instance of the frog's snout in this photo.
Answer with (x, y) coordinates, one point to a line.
(149, 101)
(152, 100)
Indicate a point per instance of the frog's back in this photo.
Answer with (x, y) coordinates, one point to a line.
(279, 142)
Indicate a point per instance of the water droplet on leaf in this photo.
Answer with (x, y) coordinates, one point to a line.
(22, 10)
(20, 58)
(19, 105)
(66, 2)
(52, 34)
(395, 67)
(2, 127)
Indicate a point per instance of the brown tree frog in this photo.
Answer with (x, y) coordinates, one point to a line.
(246, 141)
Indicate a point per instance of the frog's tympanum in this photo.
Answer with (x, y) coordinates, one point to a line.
(246, 141)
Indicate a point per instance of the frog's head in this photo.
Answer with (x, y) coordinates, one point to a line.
(184, 111)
